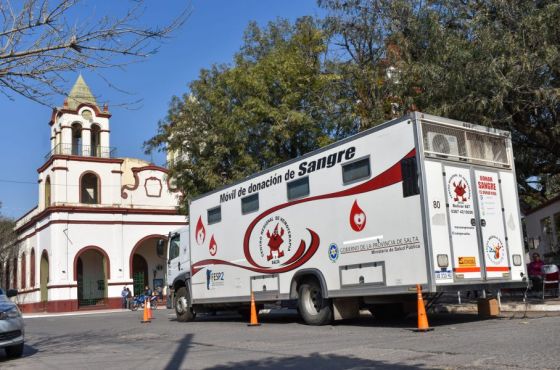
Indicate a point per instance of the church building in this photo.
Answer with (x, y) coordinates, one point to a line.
(98, 218)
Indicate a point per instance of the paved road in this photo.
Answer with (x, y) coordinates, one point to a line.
(119, 341)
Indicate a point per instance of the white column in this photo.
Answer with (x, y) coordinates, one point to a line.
(104, 143)
(66, 140)
(87, 150)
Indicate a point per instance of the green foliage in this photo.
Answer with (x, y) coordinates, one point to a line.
(294, 88)
(490, 62)
(7, 239)
(278, 101)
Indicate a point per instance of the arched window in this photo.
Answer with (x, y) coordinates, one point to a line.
(89, 189)
(95, 141)
(32, 268)
(48, 192)
(14, 276)
(76, 139)
(23, 271)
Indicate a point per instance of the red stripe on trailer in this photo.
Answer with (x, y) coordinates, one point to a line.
(467, 269)
(498, 268)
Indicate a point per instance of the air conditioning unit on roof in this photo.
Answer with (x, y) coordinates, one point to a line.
(443, 144)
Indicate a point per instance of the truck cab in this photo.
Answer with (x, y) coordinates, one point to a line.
(178, 257)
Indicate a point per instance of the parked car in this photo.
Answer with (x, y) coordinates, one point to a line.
(11, 325)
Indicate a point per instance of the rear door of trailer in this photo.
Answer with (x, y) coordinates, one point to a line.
(471, 193)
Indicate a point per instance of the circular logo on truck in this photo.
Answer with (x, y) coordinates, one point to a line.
(458, 189)
(495, 251)
(275, 240)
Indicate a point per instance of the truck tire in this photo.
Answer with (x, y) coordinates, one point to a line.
(184, 313)
(313, 308)
(14, 351)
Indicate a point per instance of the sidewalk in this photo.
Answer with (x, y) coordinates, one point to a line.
(508, 304)
(35, 315)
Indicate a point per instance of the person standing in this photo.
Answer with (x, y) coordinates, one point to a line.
(124, 295)
(535, 271)
(128, 297)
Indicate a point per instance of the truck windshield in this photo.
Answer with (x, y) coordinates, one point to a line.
(174, 246)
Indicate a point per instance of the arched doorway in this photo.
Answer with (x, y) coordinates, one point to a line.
(44, 278)
(140, 273)
(146, 267)
(91, 267)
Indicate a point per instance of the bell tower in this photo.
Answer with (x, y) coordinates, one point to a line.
(80, 127)
(80, 160)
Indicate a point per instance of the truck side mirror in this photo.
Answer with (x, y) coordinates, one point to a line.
(11, 293)
(160, 247)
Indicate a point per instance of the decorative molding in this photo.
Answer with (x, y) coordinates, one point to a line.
(136, 170)
(78, 159)
(59, 169)
(89, 222)
(57, 112)
(153, 179)
(117, 171)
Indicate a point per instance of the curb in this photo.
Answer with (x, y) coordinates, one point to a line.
(505, 307)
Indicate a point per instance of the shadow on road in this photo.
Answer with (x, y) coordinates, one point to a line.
(180, 353)
(27, 352)
(316, 361)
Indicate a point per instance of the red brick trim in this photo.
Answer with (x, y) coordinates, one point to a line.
(59, 111)
(96, 248)
(93, 222)
(60, 286)
(77, 158)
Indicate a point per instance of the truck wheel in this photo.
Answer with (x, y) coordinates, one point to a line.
(183, 312)
(313, 308)
(14, 351)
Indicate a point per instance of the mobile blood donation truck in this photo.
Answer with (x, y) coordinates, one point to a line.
(357, 224)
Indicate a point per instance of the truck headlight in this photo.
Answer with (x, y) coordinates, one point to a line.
(11, 313)
(442, 260)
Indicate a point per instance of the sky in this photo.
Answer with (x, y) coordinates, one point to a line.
(212, 34)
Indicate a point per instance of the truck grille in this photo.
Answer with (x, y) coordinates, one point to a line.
(10, 335)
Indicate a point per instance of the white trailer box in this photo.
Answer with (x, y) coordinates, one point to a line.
(417, 200)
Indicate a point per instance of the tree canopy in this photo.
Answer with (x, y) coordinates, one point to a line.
(293, 88)
(280, 99)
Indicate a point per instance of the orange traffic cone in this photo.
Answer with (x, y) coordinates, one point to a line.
(146, 315)
(254, 318)
(422, 317)
(150, 312)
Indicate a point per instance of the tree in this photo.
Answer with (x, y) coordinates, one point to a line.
(8, 247)
(491, 62)
(40, 40)
(279, 100)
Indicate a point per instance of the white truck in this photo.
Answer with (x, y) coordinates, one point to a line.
(357, 224)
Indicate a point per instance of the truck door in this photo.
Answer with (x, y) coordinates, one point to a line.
(173, 259)
(491, 220)
(462, 223)
(476, 224)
